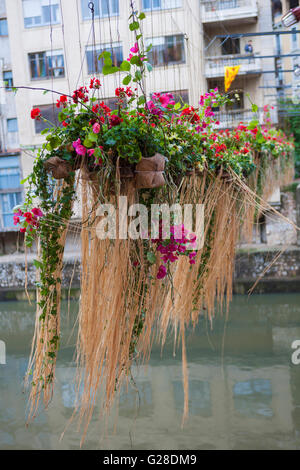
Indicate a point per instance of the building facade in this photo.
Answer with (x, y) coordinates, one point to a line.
(53, 46)
(10, 161)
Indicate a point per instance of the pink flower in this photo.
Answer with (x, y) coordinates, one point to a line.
(76, 142)
(80, 149)
(130, 57)
(162, 272)
(153, 109)
(166, 99)
(135, 48)
(16, 220)
(36, 211)
(96, 128)
(91, 152)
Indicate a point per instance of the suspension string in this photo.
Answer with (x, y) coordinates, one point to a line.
(65, 50)
(51, 59)
(95, 59)
(82, 56)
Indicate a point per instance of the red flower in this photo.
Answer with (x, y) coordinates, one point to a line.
(120, 92)
(95, 83)
(65, 124)
(80, 94)
(62, 101)
(114, 120)
(35, 113)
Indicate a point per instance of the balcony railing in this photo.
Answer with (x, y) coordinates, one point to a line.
(229, 10)
(229, 119)
(215, 65)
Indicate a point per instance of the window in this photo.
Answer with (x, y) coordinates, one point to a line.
(12, 125)
(49, 112)
(103, 8)
(112, 103)
(40, 12)
(276, 8)
(8, 79)
(95, 66)
(237, 101)
(10, 190)
(230, 46)
(3, 27)
(167, 50)
(46, 64)
(180, 96)
(294, 3)
(161, 4)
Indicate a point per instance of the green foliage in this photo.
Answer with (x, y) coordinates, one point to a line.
(292, 126)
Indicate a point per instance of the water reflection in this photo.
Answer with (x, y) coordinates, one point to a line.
(250, 399)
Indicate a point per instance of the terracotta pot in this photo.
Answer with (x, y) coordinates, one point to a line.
(126, 172)
(58, 167)
(149, 172)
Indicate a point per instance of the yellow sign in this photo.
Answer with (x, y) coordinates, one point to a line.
(230, 74)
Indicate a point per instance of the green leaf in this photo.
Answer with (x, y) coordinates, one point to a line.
(151, 257)
(37, 264)
(111, 142)
(254, 108)
(149, 48)
(141, 100)
(149, 67)
(45, 131)
(177, 106)
(108, 69)
(45, 92)
(92, 137)
(87, 143)
(104, 55)
(108, 62)
(125, 66)
(142, 16)
(138, 76)
(24, 180)
(253, 124)
(135, 60)
(98, 153)
(133, 26)
(54, 141)
(127, 80)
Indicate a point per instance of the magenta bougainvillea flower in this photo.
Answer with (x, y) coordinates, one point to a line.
(79, 148)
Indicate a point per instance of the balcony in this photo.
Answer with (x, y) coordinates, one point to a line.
(230, 119)
(231, 11)
(214, 66)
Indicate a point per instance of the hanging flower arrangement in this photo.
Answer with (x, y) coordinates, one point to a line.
(152, 151)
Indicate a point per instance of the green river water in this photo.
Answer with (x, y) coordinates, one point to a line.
(249, 398)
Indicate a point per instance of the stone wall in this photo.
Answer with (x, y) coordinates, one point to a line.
(283, 275)
(13, 275)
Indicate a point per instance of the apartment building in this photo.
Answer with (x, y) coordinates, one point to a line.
(10, 162)
(287, 82)
(53, 46)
